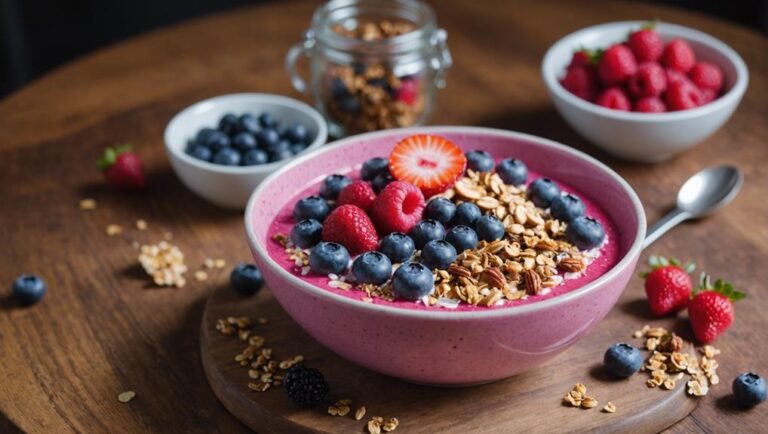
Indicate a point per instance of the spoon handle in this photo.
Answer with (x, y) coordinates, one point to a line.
(664, 224)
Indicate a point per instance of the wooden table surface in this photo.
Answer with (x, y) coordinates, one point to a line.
(102, 330)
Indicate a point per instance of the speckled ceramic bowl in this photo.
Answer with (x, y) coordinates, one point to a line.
(446, 347)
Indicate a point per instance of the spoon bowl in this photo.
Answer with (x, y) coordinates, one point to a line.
(702, 193)
(709, 190)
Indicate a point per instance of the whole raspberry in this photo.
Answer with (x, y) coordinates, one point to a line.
(678, 54)
(581, 81)
(649, 80)
(683, 96)
(706, 76)
(358, 193)
(646, 45)
(617, 65)
(708, 95)
(398, 208)
(614, 98)
(650, 104)
(675, 76)
(350, 226)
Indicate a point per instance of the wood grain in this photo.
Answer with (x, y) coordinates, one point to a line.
(530, 402)
(101, 330)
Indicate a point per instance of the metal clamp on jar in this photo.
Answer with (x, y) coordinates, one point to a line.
(375, 64)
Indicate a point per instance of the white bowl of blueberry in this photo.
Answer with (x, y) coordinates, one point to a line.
(223, 147)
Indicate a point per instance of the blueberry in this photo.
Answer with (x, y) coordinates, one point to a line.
(349, 104)
(307, 233)
(246, 279)
(298, 148)
(268, 139)
(266, 120)
(311, 207)
(326, 258)
(217, 140)
(426, 231)
(247, 123)
(255, 157)
(333, 185)
(512, 171)
(382, 83)
(566, 207)
(201, 138)
(462, 238)
(227, 157)
(373, 167)
(466, 214)
(282, 131)
(339, 89)
(412, 281)
(542, 191)
(381, 180)
(440, 209)
(200, 152)
(298, 133)
(28, 289)
(585, 233)
(622, 360)
(372, 267)
(280, 154)
(228, 124)
(479, 161)
(398, 247)
(358, 68)
(489, 228)
(438, 254)
(749, 389)
(244, 142)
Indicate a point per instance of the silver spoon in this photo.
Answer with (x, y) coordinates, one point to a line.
(701, 194)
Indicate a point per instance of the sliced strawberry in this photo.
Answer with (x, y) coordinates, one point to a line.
(429, 162)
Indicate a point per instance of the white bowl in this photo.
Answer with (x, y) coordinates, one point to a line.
(644, 137)
(231, 186)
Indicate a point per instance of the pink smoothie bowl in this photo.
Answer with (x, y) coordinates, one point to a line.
(440, 346)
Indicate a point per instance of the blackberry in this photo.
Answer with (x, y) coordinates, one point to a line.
(306, 387)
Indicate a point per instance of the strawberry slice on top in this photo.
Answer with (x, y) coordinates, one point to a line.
(429, 162)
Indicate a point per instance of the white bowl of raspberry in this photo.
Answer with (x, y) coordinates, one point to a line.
(644, 91)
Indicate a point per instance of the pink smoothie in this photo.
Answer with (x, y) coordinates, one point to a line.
(608, 255)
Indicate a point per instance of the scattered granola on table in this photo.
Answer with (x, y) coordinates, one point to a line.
(669, 363)
(87, 204)
(126, 397)
(164, 262)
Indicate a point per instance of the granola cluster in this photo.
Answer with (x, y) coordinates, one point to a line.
(368, 96)
(164, 262)
(668, 363)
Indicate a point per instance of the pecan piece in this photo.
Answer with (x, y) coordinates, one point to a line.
(571, 265)
(532, 282)
(458, 270)
(494, 277)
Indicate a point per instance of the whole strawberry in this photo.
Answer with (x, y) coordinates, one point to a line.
(351, 227)
(122, 168)
(617, 65)
(711, 310)
(668, 285)
(646, 44)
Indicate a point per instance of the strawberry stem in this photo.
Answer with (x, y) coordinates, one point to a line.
(110, 156)
(720, 286)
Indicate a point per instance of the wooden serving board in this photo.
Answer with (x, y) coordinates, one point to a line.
(530, 402)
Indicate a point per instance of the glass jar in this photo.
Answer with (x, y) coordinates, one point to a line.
(374, 64)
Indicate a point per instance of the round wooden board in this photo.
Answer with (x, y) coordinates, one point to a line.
(530, 402)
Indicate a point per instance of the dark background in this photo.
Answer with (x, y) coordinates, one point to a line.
(37, 35)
